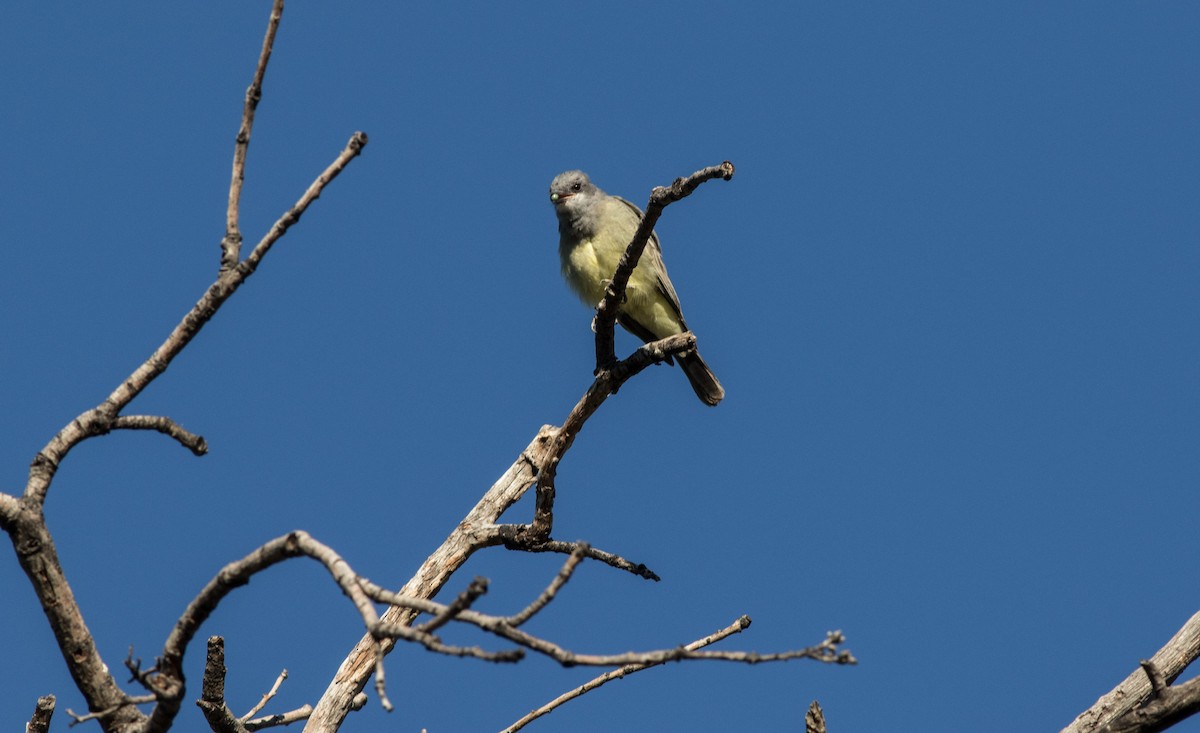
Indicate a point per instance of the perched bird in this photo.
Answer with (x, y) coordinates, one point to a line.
(594, 230)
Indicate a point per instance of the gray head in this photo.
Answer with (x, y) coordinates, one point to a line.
(574, 196)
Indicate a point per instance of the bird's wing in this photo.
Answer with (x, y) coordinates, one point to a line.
(652, 257)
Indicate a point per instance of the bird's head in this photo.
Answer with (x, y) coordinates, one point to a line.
(572, 192)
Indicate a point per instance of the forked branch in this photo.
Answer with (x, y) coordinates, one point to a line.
(1120, 709)
(22, 517)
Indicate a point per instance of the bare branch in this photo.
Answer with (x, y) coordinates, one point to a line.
(352, 150)
(1165, 710)
(1170, 661)
(568, 569)
(35, 547)
(475, 531)
(42, 712)
(734, 628)
(381, 680)
(608, 381)
(827, 651)
(538, 462)
(477, 588)
(516, 537)
(238, 573)
(38, 557)
(212, 691)
(814, 719)
(232, 243)
(99, 420)
(431, 642)
(165, 425)
(272, 721)
(660, 198)
(131, 700)
(169, 669)
(216, 711)
(265, 698)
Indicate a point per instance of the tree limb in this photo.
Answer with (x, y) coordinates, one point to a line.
(165, 425)
(616, 674)
(42, 712)
(1166, 709)
(212, 691)
(232, 243)
(471, 534)
(538, 462)
(1170, 661)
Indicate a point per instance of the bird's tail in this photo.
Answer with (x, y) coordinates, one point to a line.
(703, 381)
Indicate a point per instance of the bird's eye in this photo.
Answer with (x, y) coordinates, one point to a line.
(576, 186)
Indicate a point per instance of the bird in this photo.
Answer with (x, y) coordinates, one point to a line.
(594, 229)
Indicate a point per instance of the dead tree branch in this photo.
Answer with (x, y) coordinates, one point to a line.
(165, 425)
(42, 712)
(814, 719)
(568, 569)
(1138, 687)
(22, 517)
(231, 245)
(1168, 706)
(537, 463)
(212, 691)
(516, 538)
(616, 674)
(475, 531)
(270, 694)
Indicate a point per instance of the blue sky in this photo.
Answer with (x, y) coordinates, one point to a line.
(951, 293)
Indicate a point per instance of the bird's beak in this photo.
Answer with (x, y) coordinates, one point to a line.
(558, 198)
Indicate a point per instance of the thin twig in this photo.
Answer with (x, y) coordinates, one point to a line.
(270, 721)
(431, 642)
(352, 150)
(516, 537)
(23, 519)
(564, 574)
(381, 680)
(608, 380)
(265, 698)
(165, 425)
(474, 590)
(231, 245)
(99, 420)
(827, 651)
(128, 701)
(734, 628)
